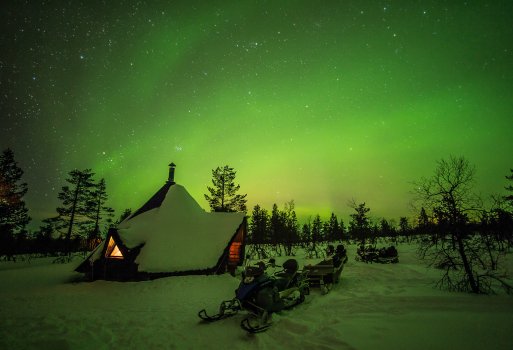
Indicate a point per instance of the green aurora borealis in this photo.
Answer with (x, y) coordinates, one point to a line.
(319, 102)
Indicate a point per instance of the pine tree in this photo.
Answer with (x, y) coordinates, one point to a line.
(317, 229)
(125, 214)
(306, 232)
(334, 232)
(291, 229)
(277, 225)
(404, 226)
(76, 210)
(360, 226)
(13, 212)
(102, 213)
(385, 228)
(223, 195)
(259, 225)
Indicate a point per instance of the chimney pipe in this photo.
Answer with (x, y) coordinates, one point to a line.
(171, 177)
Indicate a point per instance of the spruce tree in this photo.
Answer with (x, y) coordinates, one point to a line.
(291, 229)
(317, 229)
(334, 232)
(102, 213)
(359, 226)
(259, 225)
(125, 214)
(13, 212)
(223, 195)
(76, 210)
(306, 232)
(277, 225)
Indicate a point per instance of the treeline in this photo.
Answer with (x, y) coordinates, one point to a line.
(81, 219)
(281, 226)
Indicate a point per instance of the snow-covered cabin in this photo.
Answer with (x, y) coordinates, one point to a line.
(169, 235)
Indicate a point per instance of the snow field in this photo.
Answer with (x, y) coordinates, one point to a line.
(373, 307)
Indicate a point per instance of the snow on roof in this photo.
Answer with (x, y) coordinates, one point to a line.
(179, 235)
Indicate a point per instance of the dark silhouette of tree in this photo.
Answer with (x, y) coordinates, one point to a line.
(316, 237)
(423, 219)
(76, 210)
(386, 230)
(276, 224)
(343, 232)
(405, 229)
(306, 232)
(43, 237)
(317, 229)
(334, 232)
(283, 224)
(13, 212)
(360, 225)
(223, 195)
(125, 214)
(102, 214)
(290, 235)
(259, 225)
(325, 235)
(459, 248)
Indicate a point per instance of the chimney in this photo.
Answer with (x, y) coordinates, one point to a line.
(171, 177)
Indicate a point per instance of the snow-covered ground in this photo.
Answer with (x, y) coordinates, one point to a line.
(373, 307)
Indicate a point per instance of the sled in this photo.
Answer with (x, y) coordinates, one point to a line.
(325, 274)
(370, 254)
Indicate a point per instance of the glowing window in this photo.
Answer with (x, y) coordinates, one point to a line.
(234, 253)
(116, 253)
(113, 250)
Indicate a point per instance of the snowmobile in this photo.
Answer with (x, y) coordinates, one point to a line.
(327, 272)
(261, 295)
(388, 255)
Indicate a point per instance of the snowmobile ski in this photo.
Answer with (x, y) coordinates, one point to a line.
(212, 318)
(227, 309)
(246, 325)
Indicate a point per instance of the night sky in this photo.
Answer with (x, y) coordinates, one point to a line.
(319, 102)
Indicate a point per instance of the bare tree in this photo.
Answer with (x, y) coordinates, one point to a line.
(459, 249)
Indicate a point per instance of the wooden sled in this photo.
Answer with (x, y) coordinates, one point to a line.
(325, 274)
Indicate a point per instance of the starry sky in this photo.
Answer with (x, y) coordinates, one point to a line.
(320, 102)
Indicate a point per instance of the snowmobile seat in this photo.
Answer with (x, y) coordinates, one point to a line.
(290, 266)
(288, 274)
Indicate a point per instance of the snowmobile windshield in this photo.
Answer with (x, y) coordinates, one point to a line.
(254, 271)
(245, 290)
